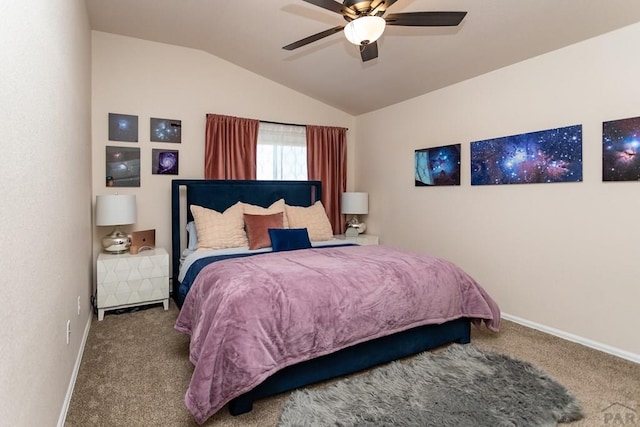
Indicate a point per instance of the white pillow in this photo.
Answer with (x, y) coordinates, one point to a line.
(276, 207)
(313, 218)
(192, 235)
(220, 230)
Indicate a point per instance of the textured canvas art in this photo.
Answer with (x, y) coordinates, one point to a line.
(166, 130)
(123, 127)
(620, 144)
(553, 155)
(122, 166)
(164, 162)
(437, 166)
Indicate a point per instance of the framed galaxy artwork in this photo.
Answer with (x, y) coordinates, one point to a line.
(123, 127)
(620, 150)
(553, 155)
(166, 130)
(164, 162)
(122, 167)
(437, 166)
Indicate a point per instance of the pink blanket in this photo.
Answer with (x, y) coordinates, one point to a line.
(250, 317)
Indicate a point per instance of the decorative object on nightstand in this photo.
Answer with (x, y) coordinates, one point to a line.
(126, 280)
(116, 210)
(355, 204)
(141, 240)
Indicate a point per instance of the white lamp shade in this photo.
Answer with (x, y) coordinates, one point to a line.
(364, 29)
(116, 209)
(355, 203)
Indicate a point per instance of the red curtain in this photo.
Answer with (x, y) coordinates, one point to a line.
(230, 147)
(327, 162)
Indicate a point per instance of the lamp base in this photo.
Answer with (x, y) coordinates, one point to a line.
(354, 224)
(351, 232)
(116, 243)
(361, 227)
(354, 229)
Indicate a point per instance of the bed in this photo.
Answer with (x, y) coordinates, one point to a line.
(370, 324)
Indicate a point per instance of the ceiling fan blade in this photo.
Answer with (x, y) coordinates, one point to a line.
(313, 38)
(426, 19)
(369, 51)
(333, 6)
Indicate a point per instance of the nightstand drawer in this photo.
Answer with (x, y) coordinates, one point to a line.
(112, 294)
(127, 280)
(116, 268)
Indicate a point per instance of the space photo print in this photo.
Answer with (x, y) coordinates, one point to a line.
(164, 162)
(620, 149)
(546, 156)
(123, 127)
(437, 166)
(165, 130)
(122, 165)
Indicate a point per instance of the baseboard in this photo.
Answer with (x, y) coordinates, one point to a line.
(74, 375)
(575, 338)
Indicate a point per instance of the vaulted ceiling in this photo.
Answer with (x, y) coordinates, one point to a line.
(412, 60)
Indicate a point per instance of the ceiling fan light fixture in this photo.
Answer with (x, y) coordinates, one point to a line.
(364, 30)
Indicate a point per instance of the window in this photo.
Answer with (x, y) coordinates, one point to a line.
(281, 152)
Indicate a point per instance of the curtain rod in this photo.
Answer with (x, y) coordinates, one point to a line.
(291, 124)
(280, 123)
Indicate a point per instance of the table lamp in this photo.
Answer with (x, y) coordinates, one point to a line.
(116, 210)
(355, 204)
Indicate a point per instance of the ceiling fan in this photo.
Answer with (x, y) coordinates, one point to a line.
(366, 22)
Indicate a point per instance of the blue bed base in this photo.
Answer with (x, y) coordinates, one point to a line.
(356, 358)
(219, 195)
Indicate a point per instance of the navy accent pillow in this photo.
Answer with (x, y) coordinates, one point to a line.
(288, 239)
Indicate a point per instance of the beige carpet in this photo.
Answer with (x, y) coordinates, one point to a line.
(135, 370)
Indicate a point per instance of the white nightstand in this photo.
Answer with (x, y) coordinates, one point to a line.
(361, 239)
(128, 280)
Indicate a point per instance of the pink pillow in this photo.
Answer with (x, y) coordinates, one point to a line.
(258, 228)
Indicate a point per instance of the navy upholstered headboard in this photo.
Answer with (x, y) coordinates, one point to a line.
(221, 194)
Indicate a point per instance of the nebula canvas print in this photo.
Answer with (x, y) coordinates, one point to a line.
(166, 130)
(437, 166)
(122, 166)
(546, 156)
(164, 162)
(620, 150)
(123, 127)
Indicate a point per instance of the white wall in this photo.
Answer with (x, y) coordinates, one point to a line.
(561, 255)
(148, 79)
(46, 211)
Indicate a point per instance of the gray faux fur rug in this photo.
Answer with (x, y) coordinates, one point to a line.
(461, 386)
